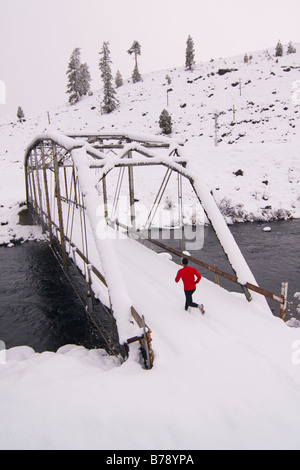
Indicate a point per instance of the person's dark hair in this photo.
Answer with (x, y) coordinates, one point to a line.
(184, 261)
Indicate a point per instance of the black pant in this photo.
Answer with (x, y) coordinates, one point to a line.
(189, 300)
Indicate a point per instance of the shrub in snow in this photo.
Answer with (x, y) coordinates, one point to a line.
(279, 50)
(282, 214)
(20, 114)
(291, 49)
(165, 122)
(231, 213)
(223, 71)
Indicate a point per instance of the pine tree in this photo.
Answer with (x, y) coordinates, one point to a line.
(246, 58)
(79, 78)
(279, 50)
(291, 49)
(118, 79)
(189, 54)
(20, 114)
(165, 122)
(136, 50)
(109, 100)
(73, 74)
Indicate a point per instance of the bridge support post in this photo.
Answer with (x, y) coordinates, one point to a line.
(33, 190)
(59, 210)
(38, 185)
(47, 195)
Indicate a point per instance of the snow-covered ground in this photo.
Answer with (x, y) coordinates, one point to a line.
(229, 379)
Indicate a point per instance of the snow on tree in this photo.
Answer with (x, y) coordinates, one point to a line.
(291, 49)
(189, 54)
(20, 114)
(279, 50)
(110, 101)
(136, 50)
(165, 122)
(78, 77)
(118, 79)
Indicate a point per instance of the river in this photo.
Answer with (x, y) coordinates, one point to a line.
(39, 308)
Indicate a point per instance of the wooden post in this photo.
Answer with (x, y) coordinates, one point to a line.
(217, 278)
(149, 362)
(283, 305)
(145, 340)
(59, 211)
(247, 293)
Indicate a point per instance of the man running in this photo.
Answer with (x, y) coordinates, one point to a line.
(187, 274)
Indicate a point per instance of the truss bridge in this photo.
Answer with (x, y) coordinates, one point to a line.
(101, 197)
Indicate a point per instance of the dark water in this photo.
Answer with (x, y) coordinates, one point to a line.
(39, 308)
(273, 257)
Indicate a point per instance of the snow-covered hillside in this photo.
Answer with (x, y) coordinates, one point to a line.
(254, 171)
(225, 380)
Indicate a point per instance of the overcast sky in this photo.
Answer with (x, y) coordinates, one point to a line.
(37, 38)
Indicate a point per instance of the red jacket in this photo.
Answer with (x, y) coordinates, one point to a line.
(187, 274)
